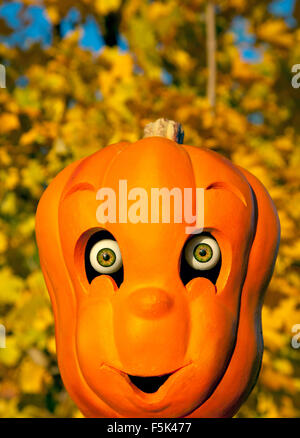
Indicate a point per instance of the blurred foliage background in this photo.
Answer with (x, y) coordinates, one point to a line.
(84, 74)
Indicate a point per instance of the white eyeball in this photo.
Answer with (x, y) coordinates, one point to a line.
(105, 256)
(202, 253)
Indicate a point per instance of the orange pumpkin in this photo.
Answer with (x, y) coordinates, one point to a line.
(150, 321)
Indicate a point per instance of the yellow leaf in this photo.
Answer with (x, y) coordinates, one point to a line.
(10, 355)
(106, 6)
(10, 286)
(3, 242)
(8, 122)
(53, 14)
(276, 32)
(9, 204)
(32, 377)
(51, 345)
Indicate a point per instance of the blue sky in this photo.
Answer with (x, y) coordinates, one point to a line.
(40, 28)
(281, 8)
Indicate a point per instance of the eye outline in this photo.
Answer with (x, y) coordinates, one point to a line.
(190, 249)
(106, 244)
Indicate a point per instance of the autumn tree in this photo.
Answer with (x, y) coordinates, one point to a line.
(63, 101)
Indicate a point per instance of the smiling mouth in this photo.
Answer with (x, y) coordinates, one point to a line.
(149, 384)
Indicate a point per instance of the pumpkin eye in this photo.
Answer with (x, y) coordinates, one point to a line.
(105, 256)
(202, 253)
(201, 257)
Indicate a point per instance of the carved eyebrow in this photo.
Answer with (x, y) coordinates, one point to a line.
(230, 188)
(79, 187)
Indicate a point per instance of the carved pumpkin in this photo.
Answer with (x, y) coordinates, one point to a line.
(150, 321)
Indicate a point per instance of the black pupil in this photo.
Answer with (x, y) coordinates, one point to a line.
(202, 252)
(106, 256)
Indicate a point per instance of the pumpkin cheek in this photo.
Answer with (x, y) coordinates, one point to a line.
(213, 328)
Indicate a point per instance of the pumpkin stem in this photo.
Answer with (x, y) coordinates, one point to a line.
(165, 128)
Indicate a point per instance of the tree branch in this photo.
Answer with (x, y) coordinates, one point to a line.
(211, 53)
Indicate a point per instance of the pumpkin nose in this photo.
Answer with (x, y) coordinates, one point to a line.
(150, 303)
